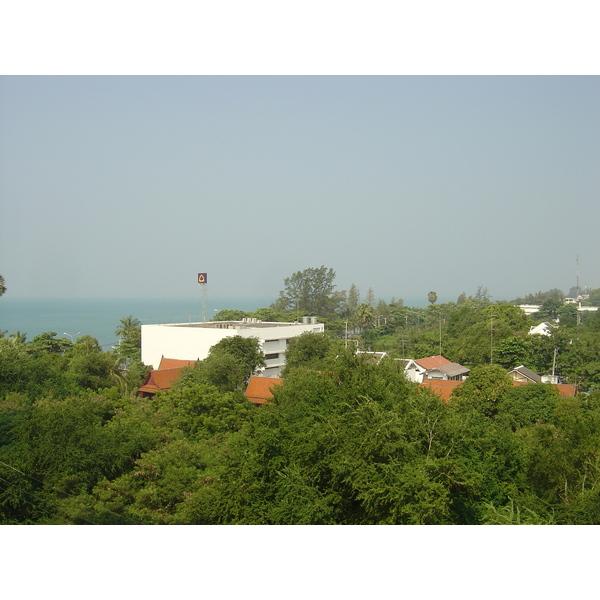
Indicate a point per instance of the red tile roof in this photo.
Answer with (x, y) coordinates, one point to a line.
(432, 361)
(259, 389)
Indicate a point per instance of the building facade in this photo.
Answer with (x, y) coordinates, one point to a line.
(193, 341)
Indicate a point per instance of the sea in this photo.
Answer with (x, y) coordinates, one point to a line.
(72, 318)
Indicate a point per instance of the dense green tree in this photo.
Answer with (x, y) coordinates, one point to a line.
(370, 298)
(352, 301)
(246, 351)
(48, 342)
(358, 444)
(549, 309)
(525, 405)
(89, 367)
(229, 364)
(307, 350)
(269, 314)
(223, 371)
(594, 298)
(227, 314)
(14, 362)
(540, 296)
(310, 292)
(514, 351)
(483, 390)
(2, 286)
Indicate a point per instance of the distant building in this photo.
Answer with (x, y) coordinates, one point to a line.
(530, 309)
(434, 367)
(193, 341)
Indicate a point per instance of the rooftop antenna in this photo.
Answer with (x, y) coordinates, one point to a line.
(202, 281)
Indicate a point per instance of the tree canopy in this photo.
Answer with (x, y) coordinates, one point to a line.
(310, 292)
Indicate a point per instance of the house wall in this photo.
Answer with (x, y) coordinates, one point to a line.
(519, 378)
(185, 341)
(414, 373)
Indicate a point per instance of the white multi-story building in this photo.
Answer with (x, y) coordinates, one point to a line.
(192, 341)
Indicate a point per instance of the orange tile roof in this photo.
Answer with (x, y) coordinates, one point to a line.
(160, 379)
(172, 363)
(442, 387)
(432, 361)
(259, 389)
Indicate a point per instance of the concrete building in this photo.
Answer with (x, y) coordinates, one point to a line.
(193, 341)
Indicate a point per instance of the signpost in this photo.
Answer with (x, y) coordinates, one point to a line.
(202, 281)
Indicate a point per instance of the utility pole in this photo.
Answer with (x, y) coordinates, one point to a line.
(492, 339)
(403, 338)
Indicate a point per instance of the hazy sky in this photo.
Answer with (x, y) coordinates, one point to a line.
(130, 186)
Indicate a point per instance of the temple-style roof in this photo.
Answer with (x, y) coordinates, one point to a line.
(159, 379)
(172, 363)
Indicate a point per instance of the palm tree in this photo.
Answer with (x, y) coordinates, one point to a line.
(17, 337)
(365, 314)
(129, 332)
(127, 325)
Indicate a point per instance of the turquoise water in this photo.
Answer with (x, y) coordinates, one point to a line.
(100, 318)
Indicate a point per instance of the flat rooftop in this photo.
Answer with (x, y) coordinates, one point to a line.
(250, 324)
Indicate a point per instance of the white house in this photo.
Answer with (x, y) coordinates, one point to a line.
(434, 367)
(192, 341)
(544, 328)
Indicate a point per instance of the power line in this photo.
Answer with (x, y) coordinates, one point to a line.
(27, 501)
(32, 504)
(66, 493)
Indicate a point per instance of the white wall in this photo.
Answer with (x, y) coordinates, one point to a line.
(186, 342)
